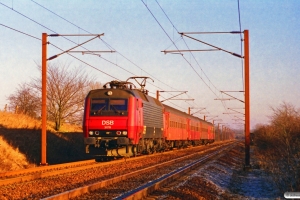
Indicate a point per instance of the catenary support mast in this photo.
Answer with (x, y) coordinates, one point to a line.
(44, 98)
(247, 99)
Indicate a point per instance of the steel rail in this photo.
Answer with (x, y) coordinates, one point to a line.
(43, 168)
(46, 172)
(30, 174)
(89, 188)
(144, 190)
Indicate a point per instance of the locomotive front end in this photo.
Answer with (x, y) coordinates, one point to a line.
(110, 125)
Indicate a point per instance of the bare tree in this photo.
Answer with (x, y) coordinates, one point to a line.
(66, 91)
(94, 85)
(279, 147)
(25, 101)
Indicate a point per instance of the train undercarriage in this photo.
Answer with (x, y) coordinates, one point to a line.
(110, 149)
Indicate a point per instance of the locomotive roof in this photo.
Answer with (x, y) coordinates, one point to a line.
(126, 92)
(146, 98)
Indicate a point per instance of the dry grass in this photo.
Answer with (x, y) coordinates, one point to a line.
(21, 121)
(20, 142)
(11, 158)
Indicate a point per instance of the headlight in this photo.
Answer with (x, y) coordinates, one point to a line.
(124, 132)
(91, 132)
(109, 93)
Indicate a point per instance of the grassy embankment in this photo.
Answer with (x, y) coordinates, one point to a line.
(20, 142)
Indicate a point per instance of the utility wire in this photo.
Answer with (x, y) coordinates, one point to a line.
(20, 32)
(110, 47)
(59, 16)
(187, 47)
(240, 32)
(139, 67)
(25, 16)
(68, 40)
(59, 49)
(223, 103)
(240, 26)
(85, 62)
(177, 47)
(75, 43)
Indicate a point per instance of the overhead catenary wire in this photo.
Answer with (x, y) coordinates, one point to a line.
(224, 105)
(85, 62)
(186, 46)
(191, 54)
(182, 54)
(63, 37)
(172, 40)
(241, 37)
(74, 43)
(110, 47)
(51, 30)
(20, 32)
(59, 49)
(176, 45)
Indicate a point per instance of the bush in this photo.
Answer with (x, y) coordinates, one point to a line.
(278, 147)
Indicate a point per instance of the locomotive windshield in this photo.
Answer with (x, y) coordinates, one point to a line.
(109, 107)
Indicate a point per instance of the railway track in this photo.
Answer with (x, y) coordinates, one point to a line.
(18, 176)
(63, 181)
(138, 184)
(144, 190)
(207, 181)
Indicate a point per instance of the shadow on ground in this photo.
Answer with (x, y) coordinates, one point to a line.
(61, 147)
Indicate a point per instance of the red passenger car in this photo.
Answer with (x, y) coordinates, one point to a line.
(176, 126)
(182, 129)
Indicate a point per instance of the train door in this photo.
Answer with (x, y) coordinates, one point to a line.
(139, 118)
(167, 125)
(187, 129)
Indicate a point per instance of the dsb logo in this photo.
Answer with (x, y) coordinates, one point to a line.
(107, 122)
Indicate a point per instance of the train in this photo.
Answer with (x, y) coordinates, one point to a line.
(121, 120)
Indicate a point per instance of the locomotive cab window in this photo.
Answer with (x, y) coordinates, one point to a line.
(109, 107)
(119, 104)
(98, 104)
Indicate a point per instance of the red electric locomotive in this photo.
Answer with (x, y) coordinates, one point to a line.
(120, 120)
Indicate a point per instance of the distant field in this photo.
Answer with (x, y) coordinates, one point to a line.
(20, 142)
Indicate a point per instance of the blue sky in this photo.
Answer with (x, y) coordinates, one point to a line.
(139, 38)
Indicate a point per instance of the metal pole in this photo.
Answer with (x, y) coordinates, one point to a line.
(219, 132)
(44, 98)
(223, 132)
(247, 100)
